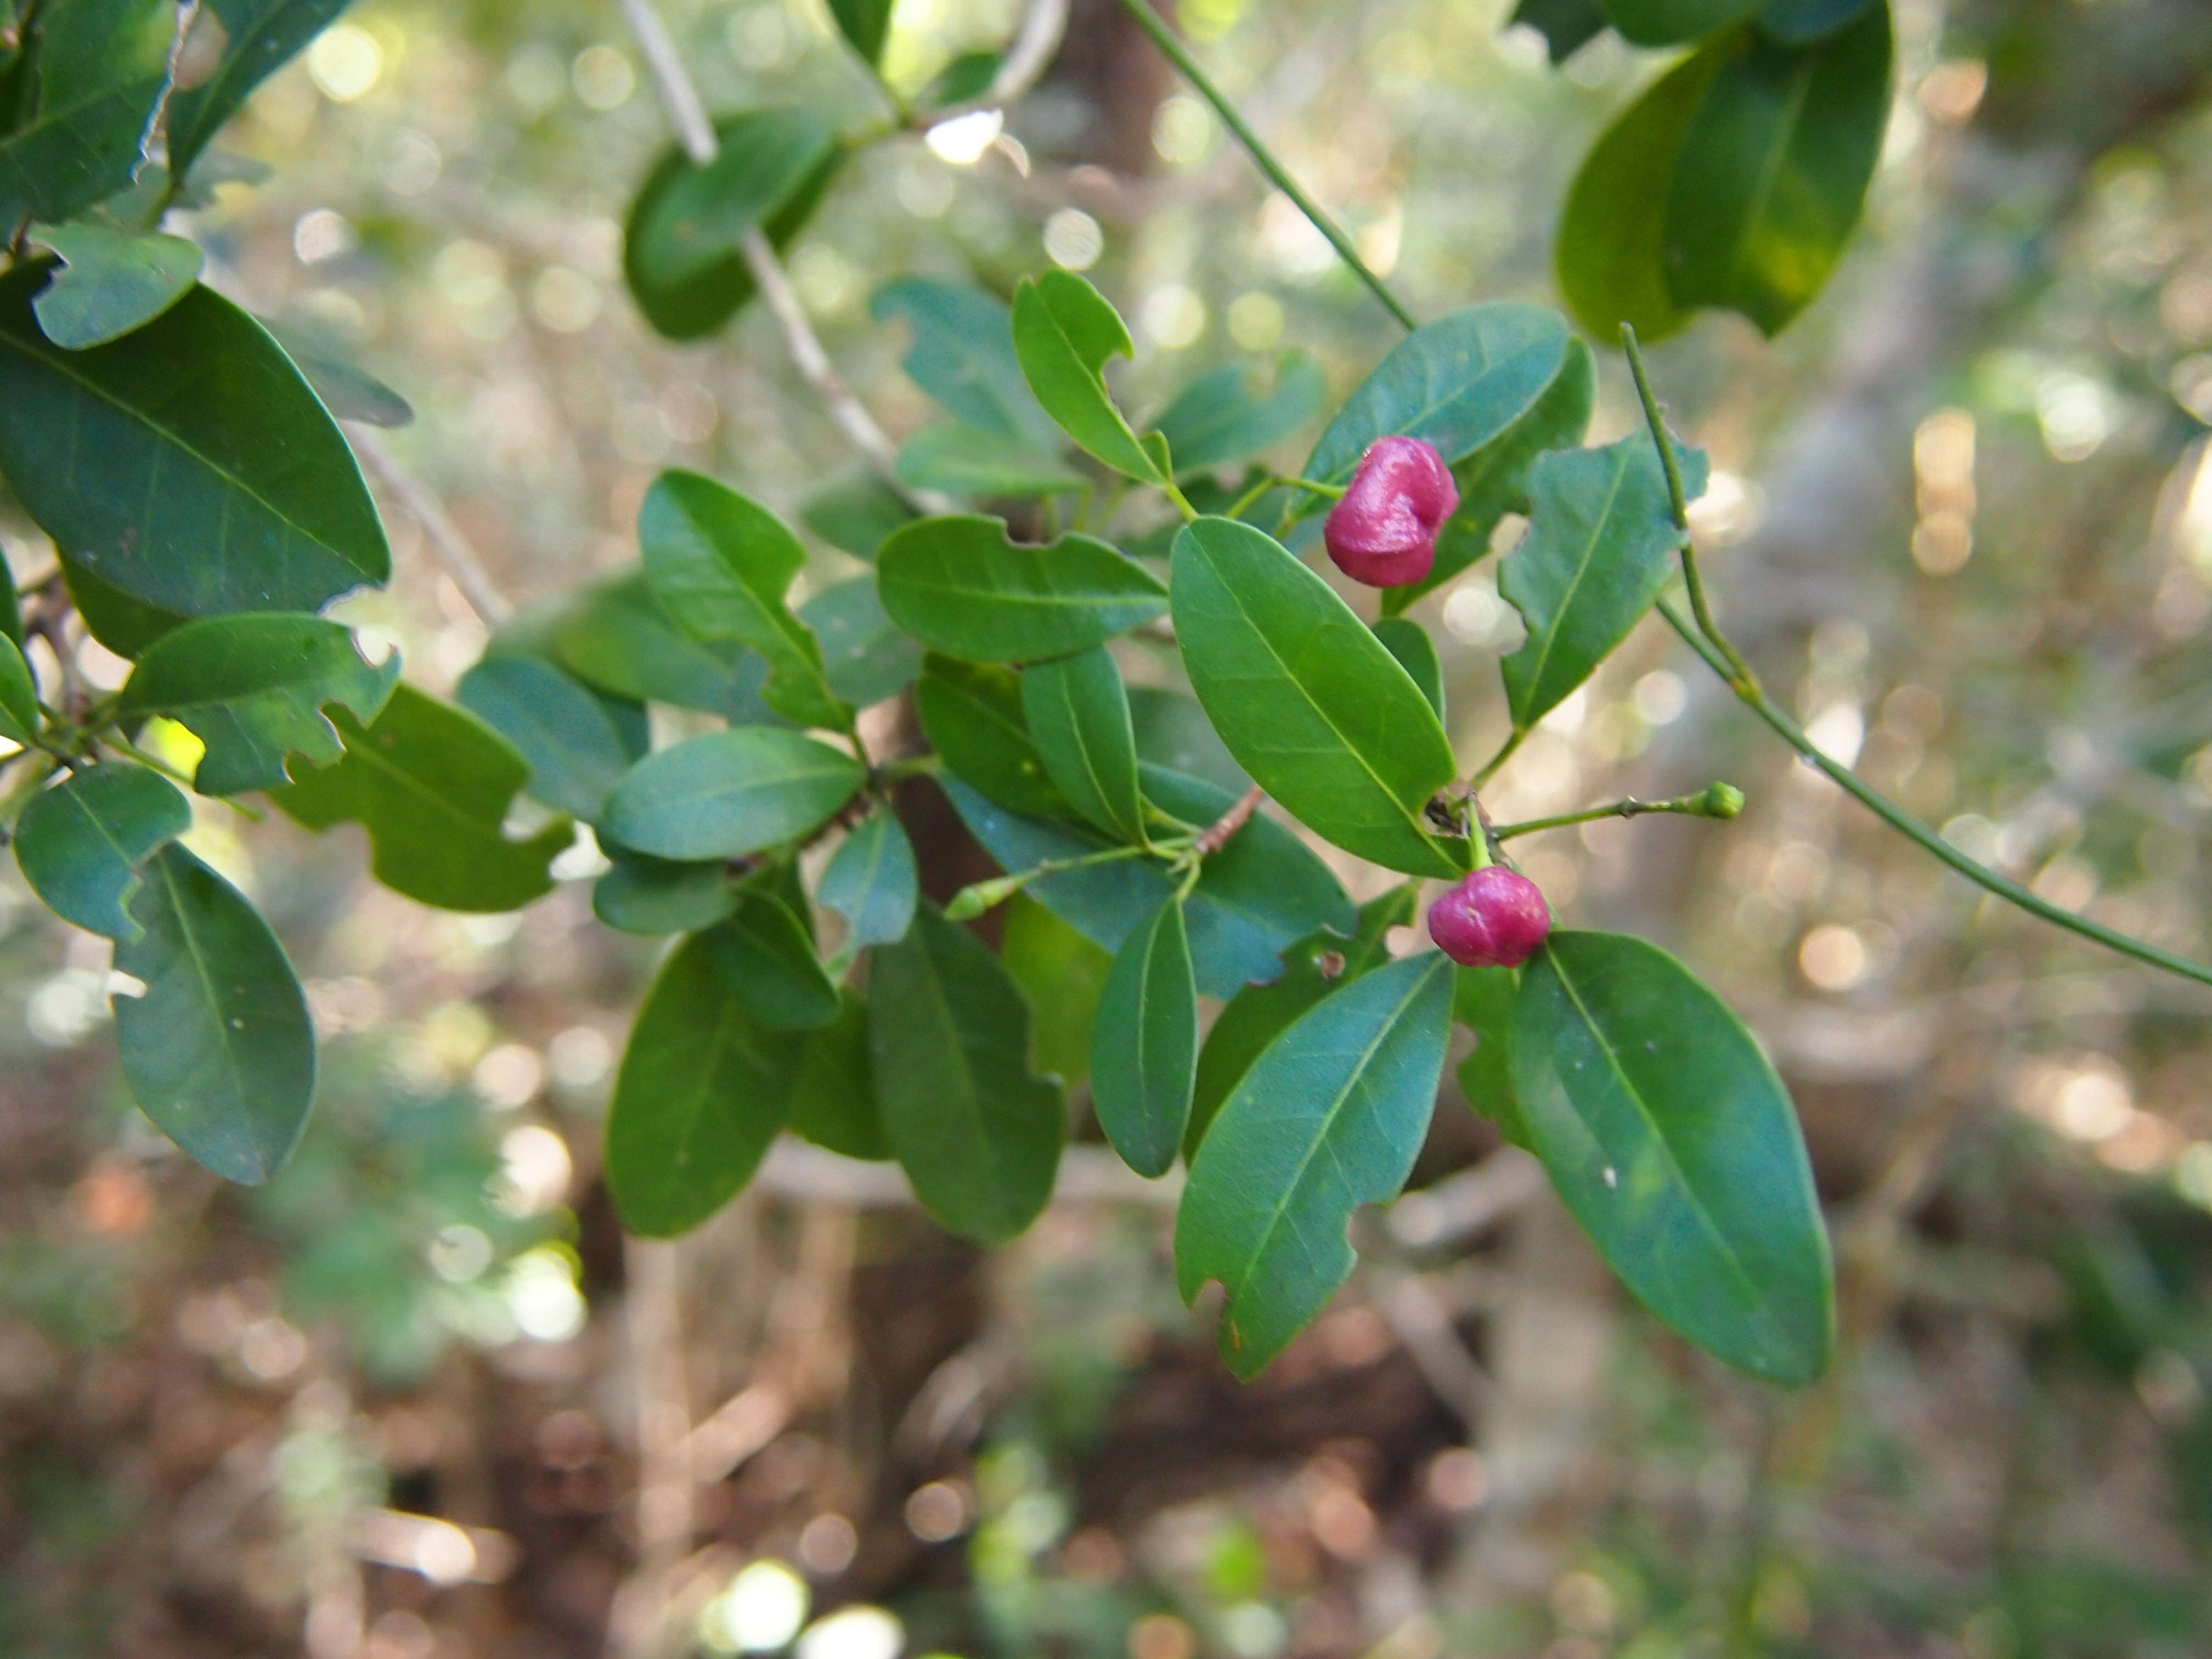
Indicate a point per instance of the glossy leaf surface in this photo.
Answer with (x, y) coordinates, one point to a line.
(1144, 1043)
(566, 736)
(960, 586)
(1409, 642)
(971, 713)
(1565, 25)
(1800, 23)
(766, 953)
(1670, 1138)
(80, 844)
(965, 460)
(219, 1051)
(963, 357)
(110, 282)
(1077, 714)
(253, 689)
(433, 786)
(18, 696)
(949, 1040)
(833, 1103)
(865, 655)
(726, 793)
(615, 636)
(720, 563)
(187, 462)
(865, 24)
(1329, 1118)
(703, 1089)
(1308, 700)
(656, 896)
(1219, 418)
(101, 68)
(1668, 22)
(1065, 331)
(1599, 549)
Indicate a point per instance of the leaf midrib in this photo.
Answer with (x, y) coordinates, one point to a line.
(1770, 168)
(234, 1069)
(1520, 723)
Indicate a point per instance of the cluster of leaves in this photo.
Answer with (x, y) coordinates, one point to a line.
(1736, 179)
(205, 507)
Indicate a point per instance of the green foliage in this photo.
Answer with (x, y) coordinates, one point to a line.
(258, 36)
(1599, 550)
(871, 882)
(704, 1087)
(1673, 1141)
(656, 896)
(1669, 22)
(1565, 25)
(615, 636)
(725, 794)
(966, 460)
(765, 954)
(1144, 1043)
(833, 1101)
(1218, 418)
(253, 688)
(1409, 642)
(241, 495)
(960, 586)
(865, 656)
(1329, 1118)
(1077, 714)
(963, 356)
(720, 563)
(865, 24)
(110, 282)
(102, 66)
(972, 714)
(218, 1051)
(18, 696)
(948, 1042)
(432, 785)
(566, 735)
(1065, 331)
(1310, 702)
(81, 843)
(1483, 1002)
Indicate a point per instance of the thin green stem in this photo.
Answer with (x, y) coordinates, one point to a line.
(1692, 807)
(1504, 753)
(1164, 38)
(1182, 501)
(1739, 674)
(1912, 829)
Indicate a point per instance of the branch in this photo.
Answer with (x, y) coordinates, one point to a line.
(1163, 38)
(1035, 43)
(680, 97)
(446, 541)
(1215, 835)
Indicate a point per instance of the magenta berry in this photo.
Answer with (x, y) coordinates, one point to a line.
(1493, 918)
(1383, 530)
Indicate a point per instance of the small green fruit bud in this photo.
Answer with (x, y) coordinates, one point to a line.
(971, 902)
(1720, 800)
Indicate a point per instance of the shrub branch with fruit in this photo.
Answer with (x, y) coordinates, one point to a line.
(205, 505)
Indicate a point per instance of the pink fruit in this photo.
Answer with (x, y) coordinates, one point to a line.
(1383, 530)
(1493, 918)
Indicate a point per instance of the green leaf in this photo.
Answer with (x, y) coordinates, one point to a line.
(655, 897)
(565, 735)
(855, 513)
(1218, 418)
(348, 391)
(1317, 964)
(11, 607)
(19, 695)
(1329, 1118)
(1457, 382)
(1801, 22)
(1494, 480)
(219, 1051)
(125, 625)
(960, 586)
(949, 1040)
(870, 881)
(865, 24)
(720, 563)
(1774, 168)
(1409, 642)
(963, 355)
(1610, 254)
(80, 844)
(1144, 1044)
(1673, 1141)
(680, 243)
(102, 66)
(724, 795)
(1062, 974)
(616, 636)
(259, 36)
(1670, 22)
(187, 462)
(703, 1089)
(1172, 731)
(1079, 715)
(833, 1103)
(1262, 892)
(110, 281)
(965, 460)
(1064, 333)
(766, 954)
(1565, 25)
(865, 657)
(1309, 701)
(1483, 1002)
(971, 713)
(433, 786)
(1599, 547)
(253, 689)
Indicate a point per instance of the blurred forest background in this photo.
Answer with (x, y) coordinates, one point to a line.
(416, 1400)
